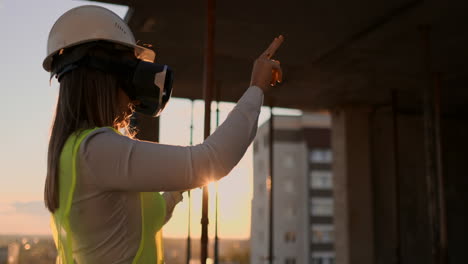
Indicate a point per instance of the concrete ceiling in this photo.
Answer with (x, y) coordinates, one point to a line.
(336, 53)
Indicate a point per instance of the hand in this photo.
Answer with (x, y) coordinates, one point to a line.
(267, 72)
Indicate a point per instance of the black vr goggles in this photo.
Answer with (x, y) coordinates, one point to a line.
(147, 82)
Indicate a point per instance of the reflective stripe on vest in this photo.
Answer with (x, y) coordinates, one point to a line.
(153, 211)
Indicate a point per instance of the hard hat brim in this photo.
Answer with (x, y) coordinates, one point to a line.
(141, 52)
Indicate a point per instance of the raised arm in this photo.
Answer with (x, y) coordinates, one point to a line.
(116, 162)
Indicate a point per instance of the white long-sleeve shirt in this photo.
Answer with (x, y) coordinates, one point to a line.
(113, 169)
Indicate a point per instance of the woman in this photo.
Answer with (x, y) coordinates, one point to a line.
(101, 186)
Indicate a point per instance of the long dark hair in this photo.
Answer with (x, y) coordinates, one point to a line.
(87, 98)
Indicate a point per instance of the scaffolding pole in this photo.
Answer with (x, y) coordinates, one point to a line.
(397, 176)
(208, 82)
(270, 183)
(189, 240)
(434, 177)
(216, 243)
(439, 173)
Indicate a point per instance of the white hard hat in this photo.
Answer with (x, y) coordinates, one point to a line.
(91, 23)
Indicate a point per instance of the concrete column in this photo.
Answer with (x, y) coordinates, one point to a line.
(353, 205)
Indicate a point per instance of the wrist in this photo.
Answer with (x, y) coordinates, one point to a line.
(262, 87)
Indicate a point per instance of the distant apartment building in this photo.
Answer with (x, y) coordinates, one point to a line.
(302, 189)
(3, 255)
(9, 254)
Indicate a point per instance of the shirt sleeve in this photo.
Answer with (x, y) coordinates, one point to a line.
(116, 162)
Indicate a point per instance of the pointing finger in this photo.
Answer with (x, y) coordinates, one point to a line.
(270, 51)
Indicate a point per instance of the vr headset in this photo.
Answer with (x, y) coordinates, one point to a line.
(148, 83)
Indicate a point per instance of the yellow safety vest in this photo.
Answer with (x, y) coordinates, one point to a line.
(153, 211)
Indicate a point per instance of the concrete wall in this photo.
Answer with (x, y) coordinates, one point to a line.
(352, 187)
(455, 168)
(363, 141)
(414, 225)
(383, 182)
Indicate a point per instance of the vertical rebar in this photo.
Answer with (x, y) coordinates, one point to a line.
(440, 175)
(192, 109)
(189, 239)
(270, 183)
(216, 244)
(208, 81)
(429, 144)
(397, 176)
(432, 155)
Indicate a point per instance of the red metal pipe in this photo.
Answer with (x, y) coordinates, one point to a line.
(216, 243)
(397, 176)
(440, 176)
(271, 169)
(435, 187)
(208, 83)
(189, 239)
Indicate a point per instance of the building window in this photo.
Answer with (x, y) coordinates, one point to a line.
(321, 179)
(290, 212)
(261, 212)
(289, 261)
(321, 206)
(288, 161)
(261, 188)
(260, 166)
(290, 237)
(288, 187)
(322, 233)
(323, 258)
(320, 156)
